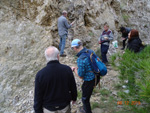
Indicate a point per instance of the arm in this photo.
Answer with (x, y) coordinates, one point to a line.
(66, 24)
(81, 67)
(100, 39)
(111, 36)
(76, 72)
(38, 97)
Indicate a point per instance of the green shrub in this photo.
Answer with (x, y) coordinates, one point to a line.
(125, 17)
(104, 92)
(79, 94)
(95, 105)
(135, 67)
(95, 90)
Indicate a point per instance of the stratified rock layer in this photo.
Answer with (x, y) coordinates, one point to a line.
(27, 27)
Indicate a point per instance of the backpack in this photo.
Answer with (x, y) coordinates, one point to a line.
(98, 67)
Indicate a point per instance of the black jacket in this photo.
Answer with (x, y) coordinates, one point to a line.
(125, 34)
(135, 44)
(55, 87)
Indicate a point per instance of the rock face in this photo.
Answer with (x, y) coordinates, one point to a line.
(27, 27)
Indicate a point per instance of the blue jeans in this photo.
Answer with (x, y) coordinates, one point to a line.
(62, 43)
(104, 50)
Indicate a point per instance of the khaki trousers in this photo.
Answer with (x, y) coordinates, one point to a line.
(67, 109)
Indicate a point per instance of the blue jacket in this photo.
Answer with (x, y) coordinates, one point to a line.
(63, 26)
(84, 66)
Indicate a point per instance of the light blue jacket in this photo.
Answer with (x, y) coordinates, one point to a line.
(63, 26)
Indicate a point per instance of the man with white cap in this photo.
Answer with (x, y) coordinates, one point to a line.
(63, 27)
(84, 71)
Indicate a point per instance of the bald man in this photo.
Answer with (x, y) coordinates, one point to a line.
(55, 86)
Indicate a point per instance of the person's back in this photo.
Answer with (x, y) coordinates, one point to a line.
(84, 61)
(63, 25)
(55, 87)
(134, 42)
(56, 81)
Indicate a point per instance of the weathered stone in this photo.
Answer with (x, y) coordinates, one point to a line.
(28, 27)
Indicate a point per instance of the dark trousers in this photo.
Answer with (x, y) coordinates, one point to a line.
(87, 89)
(124, 43)
(104, 50)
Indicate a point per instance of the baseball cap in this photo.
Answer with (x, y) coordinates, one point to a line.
(75, 43)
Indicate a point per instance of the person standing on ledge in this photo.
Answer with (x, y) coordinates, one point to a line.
(55, 86)
(104, 40)
(63, 27)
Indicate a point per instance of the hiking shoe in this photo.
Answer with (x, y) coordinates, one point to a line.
(81, 110)
(63, 55)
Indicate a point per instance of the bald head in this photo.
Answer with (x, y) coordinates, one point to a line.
(51, 53)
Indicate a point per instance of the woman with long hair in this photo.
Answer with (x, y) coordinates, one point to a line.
(134, 42)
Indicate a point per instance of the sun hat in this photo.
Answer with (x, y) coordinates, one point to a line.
(75, 43)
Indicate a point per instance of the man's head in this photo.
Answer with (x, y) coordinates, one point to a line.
(76, 45)
(106, 27)
(122, 29)
(51, 53)
(64, 13)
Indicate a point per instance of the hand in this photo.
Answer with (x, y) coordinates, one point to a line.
(73, 68)
(106, 38)
(73, 102)
(123, 38)
(99, 42)
(73, 22)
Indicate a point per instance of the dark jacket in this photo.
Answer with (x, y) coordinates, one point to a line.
(135, 44)
(125, 34)
(55, 87)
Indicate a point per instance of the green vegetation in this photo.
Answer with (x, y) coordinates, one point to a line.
(135, 75)
(104, 92)
(79, 94)
(125, 17)
(96, 90)
(91, 34)
(95, 105)
(115, 57)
